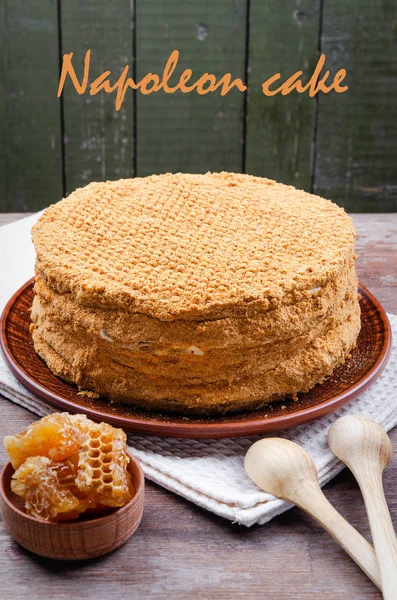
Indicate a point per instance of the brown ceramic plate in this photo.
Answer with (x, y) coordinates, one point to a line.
(365, 364)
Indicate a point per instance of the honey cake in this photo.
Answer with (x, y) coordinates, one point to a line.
(194, 293)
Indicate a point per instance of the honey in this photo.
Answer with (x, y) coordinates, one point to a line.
(55, 436)
(45, 496)
(67, 464)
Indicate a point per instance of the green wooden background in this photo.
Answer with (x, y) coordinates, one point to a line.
(341, 146)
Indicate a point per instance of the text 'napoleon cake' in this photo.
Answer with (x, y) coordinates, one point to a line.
(194, 293)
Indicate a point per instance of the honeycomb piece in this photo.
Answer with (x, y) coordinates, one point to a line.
(80, 466)
(82, 422)
(66, 471)
(102, 474)
(55, 436)
(39, 481)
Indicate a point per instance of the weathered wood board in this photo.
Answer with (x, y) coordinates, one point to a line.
(189, 132)
(283, 38)
(341, 146)
(99, 141)
(30, 124)
(356, 145)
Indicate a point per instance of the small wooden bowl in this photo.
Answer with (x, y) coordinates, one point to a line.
(88, 537)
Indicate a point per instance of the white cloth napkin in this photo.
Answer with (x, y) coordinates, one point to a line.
(209, 473)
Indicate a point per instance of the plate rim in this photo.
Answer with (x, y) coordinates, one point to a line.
(151, 426)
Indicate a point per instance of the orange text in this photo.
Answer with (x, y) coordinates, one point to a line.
(150, 83)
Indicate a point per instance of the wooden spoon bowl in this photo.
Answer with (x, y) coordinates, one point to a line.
(366, 449)
(282, 468)
(87, 537)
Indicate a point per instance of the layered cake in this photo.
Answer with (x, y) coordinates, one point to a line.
(200, 294)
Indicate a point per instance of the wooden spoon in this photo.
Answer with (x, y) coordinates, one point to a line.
(285, 470)
(366, 449)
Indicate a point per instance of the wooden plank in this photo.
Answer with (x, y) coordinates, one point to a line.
(185, 131)
(356, 145)
(30, 133)
(283, 39)
(99, 141)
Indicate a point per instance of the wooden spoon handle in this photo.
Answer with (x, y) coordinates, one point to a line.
(357, 547)
(382, 530)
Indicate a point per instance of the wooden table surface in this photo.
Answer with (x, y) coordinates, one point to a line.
(181, 551)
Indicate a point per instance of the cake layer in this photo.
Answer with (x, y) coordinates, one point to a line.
(146, 334)
(192, 246)
(121, 383)
(175, 362)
